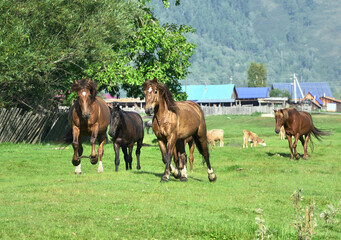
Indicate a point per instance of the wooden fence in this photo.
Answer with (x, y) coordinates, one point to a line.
(18, 126)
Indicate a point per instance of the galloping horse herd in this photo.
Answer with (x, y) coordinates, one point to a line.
(174, 124)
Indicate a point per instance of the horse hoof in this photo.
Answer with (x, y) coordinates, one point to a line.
(138, 168)
(75, 162)
(183, 179)
(212, 177)
(178, 176)
(94, 160)
(78, 173)
(297, 156)
(164, 179)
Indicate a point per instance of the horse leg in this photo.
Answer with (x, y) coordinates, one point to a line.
(137, 152)
(191, 151)
(201, 143)
(126, 157)
(130, 155)
(80, 153)
(101, 142)
(76, 150)
(167, 157)
(182, 158)
(305, 146)
(297, 156)
(290, 146)
(221, 142)
(94, 134)
(117, 155)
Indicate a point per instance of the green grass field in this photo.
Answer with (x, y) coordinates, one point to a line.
(41, 198)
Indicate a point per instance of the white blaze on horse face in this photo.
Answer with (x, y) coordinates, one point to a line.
(84, 93)
(150, 89)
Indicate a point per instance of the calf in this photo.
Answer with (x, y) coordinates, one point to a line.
(215, 134)
(282, 133)
(253, 138)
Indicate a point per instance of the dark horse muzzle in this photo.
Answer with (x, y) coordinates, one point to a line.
(150, 111)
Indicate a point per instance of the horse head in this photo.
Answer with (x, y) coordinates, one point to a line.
(86, 92)
(115, 120)
(280, 116)
(155, 93)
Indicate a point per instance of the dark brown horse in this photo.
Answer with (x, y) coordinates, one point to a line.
(173, 122)
(89, 116)
(300, 125)
(126, 128)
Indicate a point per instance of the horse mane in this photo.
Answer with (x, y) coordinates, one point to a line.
(85, 84)
(165, 92)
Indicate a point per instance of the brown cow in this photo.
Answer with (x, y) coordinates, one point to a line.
(253, 138)
(215, 134)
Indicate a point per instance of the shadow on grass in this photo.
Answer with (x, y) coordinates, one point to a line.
(171, 178)
(284, 155)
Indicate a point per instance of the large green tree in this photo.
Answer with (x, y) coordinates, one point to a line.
(256, 75)
(46, 45)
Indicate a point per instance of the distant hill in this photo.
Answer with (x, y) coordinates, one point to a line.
(288, 36)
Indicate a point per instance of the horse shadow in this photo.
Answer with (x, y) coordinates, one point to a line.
(159, 175)
(284, 155)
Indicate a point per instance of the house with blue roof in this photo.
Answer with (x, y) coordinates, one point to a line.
(320, 89)
(223, 94)
(251, 95)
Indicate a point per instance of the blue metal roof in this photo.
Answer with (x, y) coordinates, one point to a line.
(319, 88)
(209, 93)
(252, 92)
(316, 98)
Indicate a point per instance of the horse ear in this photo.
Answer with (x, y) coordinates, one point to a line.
(285, 114)
(93, 88)
(275, 111)
(74, 86)
(155, 80)
(110, 107)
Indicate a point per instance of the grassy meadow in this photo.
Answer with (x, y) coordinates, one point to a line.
(41, 198)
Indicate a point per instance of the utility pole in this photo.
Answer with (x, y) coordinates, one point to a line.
(299, 87)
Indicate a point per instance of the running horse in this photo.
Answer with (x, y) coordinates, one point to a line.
(89, 116)
(173, 122)
(126, 128)
(300, 125)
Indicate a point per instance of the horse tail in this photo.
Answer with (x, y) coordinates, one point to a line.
(199, 147)
(318, 134)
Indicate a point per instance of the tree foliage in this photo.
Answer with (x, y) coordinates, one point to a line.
(256, 75)
(46, 45)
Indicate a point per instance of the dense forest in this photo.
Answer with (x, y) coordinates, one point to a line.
(287, 36)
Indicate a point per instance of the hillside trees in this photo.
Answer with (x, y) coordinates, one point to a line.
(45, 46)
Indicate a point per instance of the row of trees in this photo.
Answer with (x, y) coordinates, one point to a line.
(46, 46)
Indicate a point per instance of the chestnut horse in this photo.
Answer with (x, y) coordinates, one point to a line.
(126, 128)
(173, 122)
(89, 116)
(300, 125)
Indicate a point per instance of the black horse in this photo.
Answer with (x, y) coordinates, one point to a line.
(148, 125)
(126, 128)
